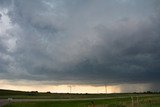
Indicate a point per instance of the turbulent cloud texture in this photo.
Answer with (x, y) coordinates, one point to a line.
(80, 41)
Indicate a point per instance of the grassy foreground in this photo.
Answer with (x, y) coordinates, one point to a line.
(111, 100)
(145, 101)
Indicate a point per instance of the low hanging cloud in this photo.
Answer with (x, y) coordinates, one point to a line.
(80, 41)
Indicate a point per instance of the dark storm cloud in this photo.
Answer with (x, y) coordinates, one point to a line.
(82, 41)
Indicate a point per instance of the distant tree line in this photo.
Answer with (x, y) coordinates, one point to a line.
(148, 92)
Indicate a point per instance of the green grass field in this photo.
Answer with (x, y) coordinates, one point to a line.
(112, 100)
(153, 101)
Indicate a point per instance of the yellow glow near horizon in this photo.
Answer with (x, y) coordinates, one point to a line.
(58, 88)
(42, 87)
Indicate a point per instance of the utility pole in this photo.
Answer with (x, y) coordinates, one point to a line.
(70, 88)
(106, 88)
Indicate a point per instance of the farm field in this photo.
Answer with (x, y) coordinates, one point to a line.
(22, 99)
(152, 101)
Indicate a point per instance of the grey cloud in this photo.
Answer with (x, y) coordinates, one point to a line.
(4, 3)
(85, 41)
(154, 87)
(0, 16)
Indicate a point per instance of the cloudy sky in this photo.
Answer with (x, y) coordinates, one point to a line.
(80, 42)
